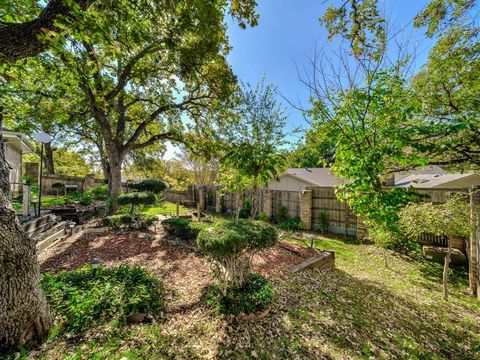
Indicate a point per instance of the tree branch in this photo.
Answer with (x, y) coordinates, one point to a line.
(22, 40)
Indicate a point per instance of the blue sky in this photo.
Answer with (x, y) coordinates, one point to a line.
(288, 32)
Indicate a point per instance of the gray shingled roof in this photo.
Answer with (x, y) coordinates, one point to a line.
(315, 176)
(429, 181)
(421, 178)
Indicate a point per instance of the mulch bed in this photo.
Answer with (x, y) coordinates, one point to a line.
(185, 272)
(299, 250)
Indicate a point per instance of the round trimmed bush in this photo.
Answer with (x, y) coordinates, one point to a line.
(136, 199)
(87, 297)
(115, 221)
(254, 296)
(230, 246)
(58, 185)
(149, 185)
(183, 228)
(140, 221)
(226, 238)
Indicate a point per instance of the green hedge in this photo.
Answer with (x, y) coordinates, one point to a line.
(227, 238)
(129, 220)
(290, 224)
(254, 296)
(136, 199)
(184, 229)
(150, 185)
(87, 297)
(83, 199)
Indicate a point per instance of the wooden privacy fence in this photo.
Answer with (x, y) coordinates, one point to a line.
(340, 218)
(309, 206)
(182, 197)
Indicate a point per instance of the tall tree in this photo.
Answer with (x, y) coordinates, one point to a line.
(448, 86)
(138, 79)
(365, 108)
(25, 316)
(255, 143)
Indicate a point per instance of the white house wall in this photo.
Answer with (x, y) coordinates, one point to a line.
(14, 159)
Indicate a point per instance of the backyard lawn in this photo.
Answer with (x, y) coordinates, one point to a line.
(359, 310)
(46, 201)
(166, 208)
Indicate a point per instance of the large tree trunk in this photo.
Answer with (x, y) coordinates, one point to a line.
(105, 165)
(115, 173)
(48, 159)
(24, 313)
(22, 40)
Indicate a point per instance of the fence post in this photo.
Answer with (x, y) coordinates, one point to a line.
(267, 203)
(218, 202)
(473, 251)
(477, 241)
(26, 200)
(306, 208)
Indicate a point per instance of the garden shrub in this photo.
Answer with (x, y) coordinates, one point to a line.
(244, 213)
(254, 296)
(393, 240)
(149, 185)
(230, 247)
(87, 296)
(86, 199)
(116, 221)
(282, 213)
(99, 192)
(184, 229)
(70, 198)
(290, 224)
(136, 199)
(81, 198)
(263, 217)
(323, 221)
(139, 221)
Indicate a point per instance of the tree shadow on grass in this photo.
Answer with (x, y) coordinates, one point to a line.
(336, 315)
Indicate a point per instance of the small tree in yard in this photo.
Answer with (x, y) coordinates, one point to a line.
(231, 246)
(57, 186)
(134, 202)
(254, 144)
(449, 219)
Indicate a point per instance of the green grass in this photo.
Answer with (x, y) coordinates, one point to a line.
(46, 201)
(359, 310)
(166, 208)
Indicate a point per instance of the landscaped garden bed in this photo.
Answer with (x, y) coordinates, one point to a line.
(361, 309)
